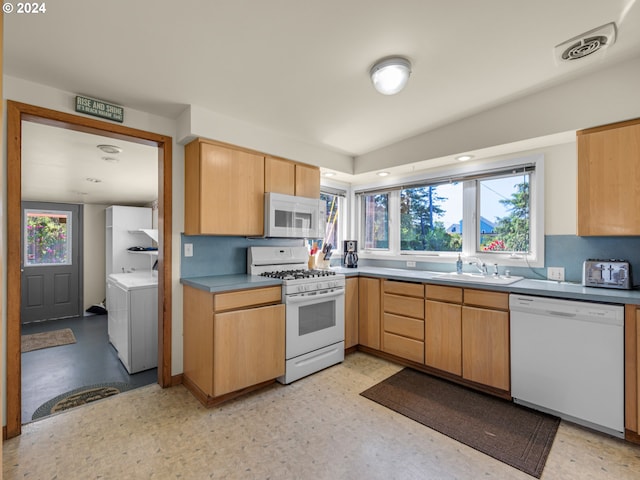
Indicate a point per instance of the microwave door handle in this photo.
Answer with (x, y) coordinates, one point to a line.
(320, 296)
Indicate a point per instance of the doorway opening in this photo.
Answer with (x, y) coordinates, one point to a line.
(16, 114)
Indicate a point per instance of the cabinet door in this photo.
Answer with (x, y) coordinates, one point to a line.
(231, 186)
(369, 312)
(485, 347)
(248, 348)
(279, 176)
(443, 336)
(351, 313)
(607, 180)
(307, 181)
(632, 368)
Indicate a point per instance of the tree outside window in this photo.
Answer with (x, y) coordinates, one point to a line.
(426, 218)
(510, 231)
(376, 221)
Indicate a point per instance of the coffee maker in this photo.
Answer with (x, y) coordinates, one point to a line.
(350, 259)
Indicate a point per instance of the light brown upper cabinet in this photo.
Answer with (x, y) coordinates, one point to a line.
(291, 178)
(224, 190)
(609, 180)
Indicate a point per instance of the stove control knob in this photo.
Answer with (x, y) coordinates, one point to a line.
(308, 287)
(300, 288)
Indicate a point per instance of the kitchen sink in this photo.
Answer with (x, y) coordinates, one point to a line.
(479, 278)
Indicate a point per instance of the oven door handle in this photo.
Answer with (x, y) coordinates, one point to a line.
(306, 297)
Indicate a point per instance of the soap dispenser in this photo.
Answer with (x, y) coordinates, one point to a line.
(459, 265)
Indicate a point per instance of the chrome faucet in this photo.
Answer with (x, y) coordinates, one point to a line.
(481, 266)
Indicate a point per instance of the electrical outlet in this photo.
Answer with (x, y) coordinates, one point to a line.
(411, 264)
(188, 249)
(555, 273)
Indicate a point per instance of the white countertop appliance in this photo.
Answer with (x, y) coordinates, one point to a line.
(132, 318)
(314, 305)
(567, 358)
(606, 273)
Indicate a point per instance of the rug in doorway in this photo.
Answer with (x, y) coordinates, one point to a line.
(516, 435)
(37, 341)
(80, 396)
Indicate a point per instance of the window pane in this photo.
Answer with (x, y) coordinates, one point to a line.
(47, 238)
(504, 214)
(431, 218)
(376, 221)
(332, 218)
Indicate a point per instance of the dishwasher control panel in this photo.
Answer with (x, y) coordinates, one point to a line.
(606, 274)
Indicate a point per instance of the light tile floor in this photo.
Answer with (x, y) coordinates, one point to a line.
(316, 428)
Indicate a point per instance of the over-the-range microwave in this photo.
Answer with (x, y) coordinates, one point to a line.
(288, 216)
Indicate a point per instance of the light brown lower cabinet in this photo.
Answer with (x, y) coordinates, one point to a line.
(232, 341)
(443, 336)
(369, 312)
(403, 320)
(248, 348)
(632, 372)
(351, 313)
(485, 347)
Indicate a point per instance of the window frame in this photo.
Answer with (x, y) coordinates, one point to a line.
(343, 215)
(471, 215)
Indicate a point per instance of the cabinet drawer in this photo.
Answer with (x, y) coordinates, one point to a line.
(444, 294)
(408, 327)
(404, 288)
(403, 347)
(484, 298)
(408, 306)
(246, 298)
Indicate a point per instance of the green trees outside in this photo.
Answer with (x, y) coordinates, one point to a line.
(512, 231)
(420, 228)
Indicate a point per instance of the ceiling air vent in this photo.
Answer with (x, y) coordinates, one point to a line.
(586, 43)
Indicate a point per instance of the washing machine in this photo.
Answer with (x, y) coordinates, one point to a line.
(132, 318)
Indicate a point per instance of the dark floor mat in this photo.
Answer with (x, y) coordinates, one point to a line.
(515, 435)
(80, 396)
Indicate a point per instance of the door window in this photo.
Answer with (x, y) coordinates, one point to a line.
(47, 237)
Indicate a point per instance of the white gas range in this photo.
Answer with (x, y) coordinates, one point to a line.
(314, 303)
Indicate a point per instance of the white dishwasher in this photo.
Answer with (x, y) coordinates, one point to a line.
(567, 358)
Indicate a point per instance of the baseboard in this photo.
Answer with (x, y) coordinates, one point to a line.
(176, 380)
(632, 437)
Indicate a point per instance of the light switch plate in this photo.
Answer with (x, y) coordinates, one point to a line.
(555, 273)
(188, 249)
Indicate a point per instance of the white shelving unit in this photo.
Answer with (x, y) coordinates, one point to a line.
(127, 227)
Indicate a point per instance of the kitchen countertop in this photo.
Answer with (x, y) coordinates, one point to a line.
(226, 283)
(547, 288)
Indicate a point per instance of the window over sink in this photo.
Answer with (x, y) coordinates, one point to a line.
(490, 209)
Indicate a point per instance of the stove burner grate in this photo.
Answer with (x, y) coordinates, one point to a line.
(298, 274)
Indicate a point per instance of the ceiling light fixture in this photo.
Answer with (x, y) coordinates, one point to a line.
(111, 149)
(93, 180)
(329, 174)
(382, 174)
(464, 158)
(390, 75)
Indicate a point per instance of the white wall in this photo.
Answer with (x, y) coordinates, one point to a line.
(94, 254)
(48, 97)
(200, 122)
(560, 183)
